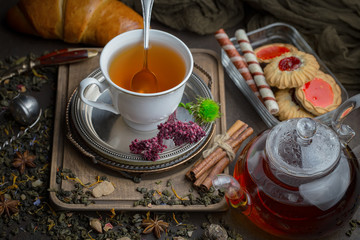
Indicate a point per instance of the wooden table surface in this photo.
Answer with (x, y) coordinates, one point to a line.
(237, 107)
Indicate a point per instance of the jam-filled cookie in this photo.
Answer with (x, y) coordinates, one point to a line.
(291, 70)
(320, 95)
(288, 108)
(266, 53)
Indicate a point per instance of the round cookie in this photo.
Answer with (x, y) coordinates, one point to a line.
(266, 53)
(320, 95)
(288, 108)
(291, 70)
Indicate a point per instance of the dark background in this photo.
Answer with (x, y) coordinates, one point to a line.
(237, 107)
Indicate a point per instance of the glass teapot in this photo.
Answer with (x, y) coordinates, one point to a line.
(299, 179)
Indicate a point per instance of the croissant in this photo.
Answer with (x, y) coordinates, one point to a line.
(93, 22)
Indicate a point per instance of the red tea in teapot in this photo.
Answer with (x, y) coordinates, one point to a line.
(296, 207)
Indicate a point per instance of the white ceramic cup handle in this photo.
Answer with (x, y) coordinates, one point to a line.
(102, 87)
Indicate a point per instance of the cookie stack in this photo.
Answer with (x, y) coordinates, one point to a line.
(301, 88)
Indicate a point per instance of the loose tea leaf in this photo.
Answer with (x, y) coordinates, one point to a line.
(169, 196)
(353, 225)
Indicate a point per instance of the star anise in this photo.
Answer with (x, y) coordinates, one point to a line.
(8, 205)
(157, 226)
(22, 161)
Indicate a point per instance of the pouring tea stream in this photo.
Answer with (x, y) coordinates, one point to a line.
(145, 81)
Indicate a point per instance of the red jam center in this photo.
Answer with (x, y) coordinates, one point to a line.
(318, 92)
(271, 52)
(289, 64)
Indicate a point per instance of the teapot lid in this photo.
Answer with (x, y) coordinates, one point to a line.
(303, 147)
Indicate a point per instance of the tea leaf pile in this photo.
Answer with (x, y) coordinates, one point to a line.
(169, 197)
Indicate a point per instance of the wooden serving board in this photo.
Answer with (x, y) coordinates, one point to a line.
(65, 155)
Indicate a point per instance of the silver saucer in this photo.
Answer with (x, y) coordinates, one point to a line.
(108, 135)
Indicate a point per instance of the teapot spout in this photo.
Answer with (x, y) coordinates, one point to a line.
(235, 196)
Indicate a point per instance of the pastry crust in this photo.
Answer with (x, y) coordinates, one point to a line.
(45, 16)
(324, 95)
(287, 107)
(291, 70)
(266, 53)
(93, 22)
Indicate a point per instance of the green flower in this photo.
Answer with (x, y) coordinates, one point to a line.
(205, 110)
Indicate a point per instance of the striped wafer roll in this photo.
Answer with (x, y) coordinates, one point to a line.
(257, 72)
(236, 59)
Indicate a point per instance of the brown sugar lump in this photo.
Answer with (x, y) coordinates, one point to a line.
(102, 189)
(320, 95)
(291, 70)
(288, 108)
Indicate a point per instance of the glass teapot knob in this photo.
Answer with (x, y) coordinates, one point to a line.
(306, 129)
(302, 147)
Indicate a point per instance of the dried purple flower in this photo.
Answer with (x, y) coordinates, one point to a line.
(179, 132)
(149, 148)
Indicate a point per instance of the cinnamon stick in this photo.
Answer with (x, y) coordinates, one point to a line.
(222, 164)
(231, 131)
(243, 137)
(237, 133)
(201, 179)
(218, 154)
(188, 173)
(236, 126)
(217, 169)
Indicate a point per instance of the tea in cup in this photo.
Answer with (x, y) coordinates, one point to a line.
(168, 58)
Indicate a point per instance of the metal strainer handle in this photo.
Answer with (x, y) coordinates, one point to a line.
(20, 133)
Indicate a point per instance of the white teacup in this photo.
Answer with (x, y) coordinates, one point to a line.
(141, 111)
